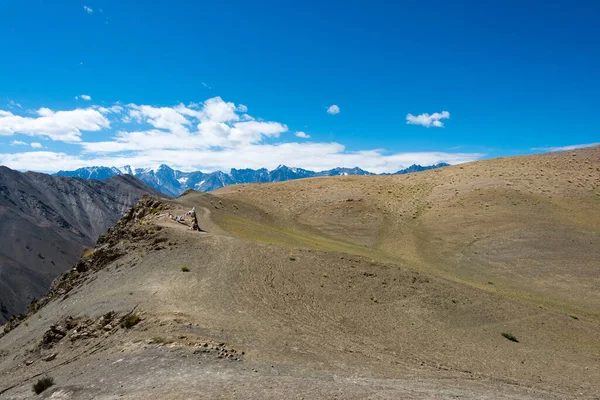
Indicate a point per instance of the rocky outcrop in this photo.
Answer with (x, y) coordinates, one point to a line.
(130, 232)
(46, 222)
(80, 328)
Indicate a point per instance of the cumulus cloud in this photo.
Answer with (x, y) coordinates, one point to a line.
(160, 117)
(65, 126)
(212, 135)
(427, 120)
(36, 145)
(333, 110)
(17, 143)
(566, 148)
(88, 9)
(83, 97)
(217, 110)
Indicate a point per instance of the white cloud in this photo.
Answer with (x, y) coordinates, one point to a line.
(313, 156)
(428, 120)
(566, 148)
(88, 9)
(333, 110)
(116, 109)
(83, 97)
(216, 109)
(253, 131)
(36, 145)
(17, 143)
(205, 85)
(13, 104)
(162, 118)
(65, 126)
(213, 135)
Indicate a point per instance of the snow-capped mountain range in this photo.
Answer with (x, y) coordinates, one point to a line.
(173, 182)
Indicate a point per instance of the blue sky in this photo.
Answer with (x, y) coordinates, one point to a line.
(221, 84)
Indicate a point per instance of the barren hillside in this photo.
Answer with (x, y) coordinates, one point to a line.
(46, 222)
(346, 287)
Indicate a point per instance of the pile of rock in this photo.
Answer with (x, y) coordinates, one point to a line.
(221, 350)
(80, 328)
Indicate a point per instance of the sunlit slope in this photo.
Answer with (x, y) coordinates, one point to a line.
(526, 227)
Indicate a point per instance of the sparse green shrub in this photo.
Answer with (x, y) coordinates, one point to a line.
(573, 316)
(292, 258)
(185, 269)
(510, 337)
(154, 210)
(490, 283)
(130, 321)
(43, 384)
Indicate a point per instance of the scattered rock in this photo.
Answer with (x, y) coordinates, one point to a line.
(50, 357)
(80, 328)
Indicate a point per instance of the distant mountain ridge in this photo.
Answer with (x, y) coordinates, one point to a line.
(173, 182)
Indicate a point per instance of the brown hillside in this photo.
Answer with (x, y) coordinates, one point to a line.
(347, 287)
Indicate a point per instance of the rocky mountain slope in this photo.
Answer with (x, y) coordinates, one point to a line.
(472, 281)
(45, 223)
(173, 182)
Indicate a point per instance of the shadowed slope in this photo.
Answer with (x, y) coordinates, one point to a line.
(45, 223)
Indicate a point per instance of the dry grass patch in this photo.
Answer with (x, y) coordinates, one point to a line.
(42, 384)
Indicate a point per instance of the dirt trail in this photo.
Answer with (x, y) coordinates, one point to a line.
(278, 303)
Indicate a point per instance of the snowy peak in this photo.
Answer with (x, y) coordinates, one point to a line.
(173, 182)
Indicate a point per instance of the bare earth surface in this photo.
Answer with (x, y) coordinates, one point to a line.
(349, 288)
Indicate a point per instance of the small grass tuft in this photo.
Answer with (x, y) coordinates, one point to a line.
(42, 384)
(374, 299)
(573, 316)
(292, 258)
(490, 283)
(510, 337)
(161, 340)
(185, 269)
(130, 321)
(88, 252)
